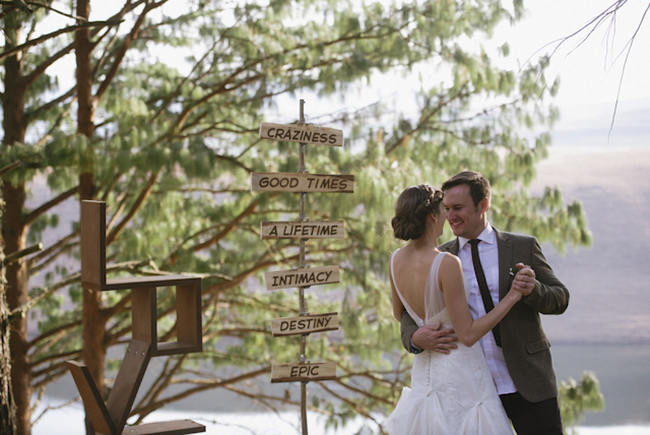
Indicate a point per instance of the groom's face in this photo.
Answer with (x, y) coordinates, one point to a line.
(465, 218)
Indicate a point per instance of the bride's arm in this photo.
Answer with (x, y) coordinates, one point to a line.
(468, 330)
(397, 303)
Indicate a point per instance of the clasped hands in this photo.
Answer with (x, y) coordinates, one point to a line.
(524, 280)
(442, 340)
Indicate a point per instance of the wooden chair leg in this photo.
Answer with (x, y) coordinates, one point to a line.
(127, 382)
(92, 400)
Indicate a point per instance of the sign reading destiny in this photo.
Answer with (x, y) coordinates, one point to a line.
(301, 133)
(301, 182)
(305, 324)
(303, 372)
(301, 277)
(302, 230)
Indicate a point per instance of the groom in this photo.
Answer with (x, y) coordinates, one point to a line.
(517, 351)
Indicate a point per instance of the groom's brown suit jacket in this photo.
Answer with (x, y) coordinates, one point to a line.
(525, 346)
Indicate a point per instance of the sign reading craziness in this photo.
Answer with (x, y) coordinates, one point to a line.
(302, 230)
(301, 277)
(301, 182)
(305, 324)
(303, 372)
(301, 133)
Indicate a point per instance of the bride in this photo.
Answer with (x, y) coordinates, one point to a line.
(454, 393)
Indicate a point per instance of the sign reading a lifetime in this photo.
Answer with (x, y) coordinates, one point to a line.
(303, 230)
(303, 372)
(301, 182)
(302, 133)
(301, 277)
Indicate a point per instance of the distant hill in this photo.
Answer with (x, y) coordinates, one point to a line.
(610, 301)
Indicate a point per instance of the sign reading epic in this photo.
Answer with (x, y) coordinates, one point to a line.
(305, 324)
(301, 133)
(302, 230)
(301, 182)
(303, 372)
(301, 277)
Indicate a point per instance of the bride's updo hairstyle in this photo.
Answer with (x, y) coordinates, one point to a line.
(413, 206)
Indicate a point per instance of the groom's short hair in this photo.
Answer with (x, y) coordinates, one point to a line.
(479, 186)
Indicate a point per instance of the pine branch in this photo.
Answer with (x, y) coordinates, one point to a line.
(48, 359)
(228, 229)
(128, 40)
(34, 214)
(144, 194)
(60, 246)
(30, 78)
(15, 256)
(10, 167)
(33, 42)
(34, 113)
(148, 408)
(463, 92)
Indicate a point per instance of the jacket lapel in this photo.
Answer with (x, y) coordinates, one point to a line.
(504, 245)
(453, 246)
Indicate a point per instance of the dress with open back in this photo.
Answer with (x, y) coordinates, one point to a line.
(449, 394)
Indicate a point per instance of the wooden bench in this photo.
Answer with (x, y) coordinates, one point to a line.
(110, 418)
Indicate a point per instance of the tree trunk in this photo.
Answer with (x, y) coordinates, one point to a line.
(14, 229)
(93, 322)
(7, 404)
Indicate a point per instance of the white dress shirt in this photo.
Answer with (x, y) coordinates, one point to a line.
(489, 255)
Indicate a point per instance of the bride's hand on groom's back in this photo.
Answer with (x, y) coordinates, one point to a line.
(435, 338)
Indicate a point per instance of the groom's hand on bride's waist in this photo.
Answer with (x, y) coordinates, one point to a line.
(435, 338)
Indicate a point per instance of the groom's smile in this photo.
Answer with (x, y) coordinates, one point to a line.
(465, 218)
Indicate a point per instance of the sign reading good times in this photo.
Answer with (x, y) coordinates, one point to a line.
(301, 182)
(301, 133)
(303, 230)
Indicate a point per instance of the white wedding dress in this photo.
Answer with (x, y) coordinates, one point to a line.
(450, 394)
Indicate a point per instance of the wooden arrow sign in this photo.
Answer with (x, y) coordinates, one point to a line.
(302, 230)
(303, 372)
(305, 324)
(301, 277)
(301, 133)
(301, 182)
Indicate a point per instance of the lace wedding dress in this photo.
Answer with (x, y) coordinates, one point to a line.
(449, 394)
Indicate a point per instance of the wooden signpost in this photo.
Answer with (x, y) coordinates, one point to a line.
(301, 230)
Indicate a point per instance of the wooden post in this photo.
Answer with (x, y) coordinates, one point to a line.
(301, 290)
(302, 229)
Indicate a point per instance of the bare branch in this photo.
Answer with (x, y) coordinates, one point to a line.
(620, 81)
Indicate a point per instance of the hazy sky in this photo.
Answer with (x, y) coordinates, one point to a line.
(590, 72)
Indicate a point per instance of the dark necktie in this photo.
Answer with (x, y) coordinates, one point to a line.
(483, 287)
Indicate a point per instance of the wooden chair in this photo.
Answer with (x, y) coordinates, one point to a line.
(110, 418)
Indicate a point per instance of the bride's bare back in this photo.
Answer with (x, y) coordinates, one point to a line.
(411, 268)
